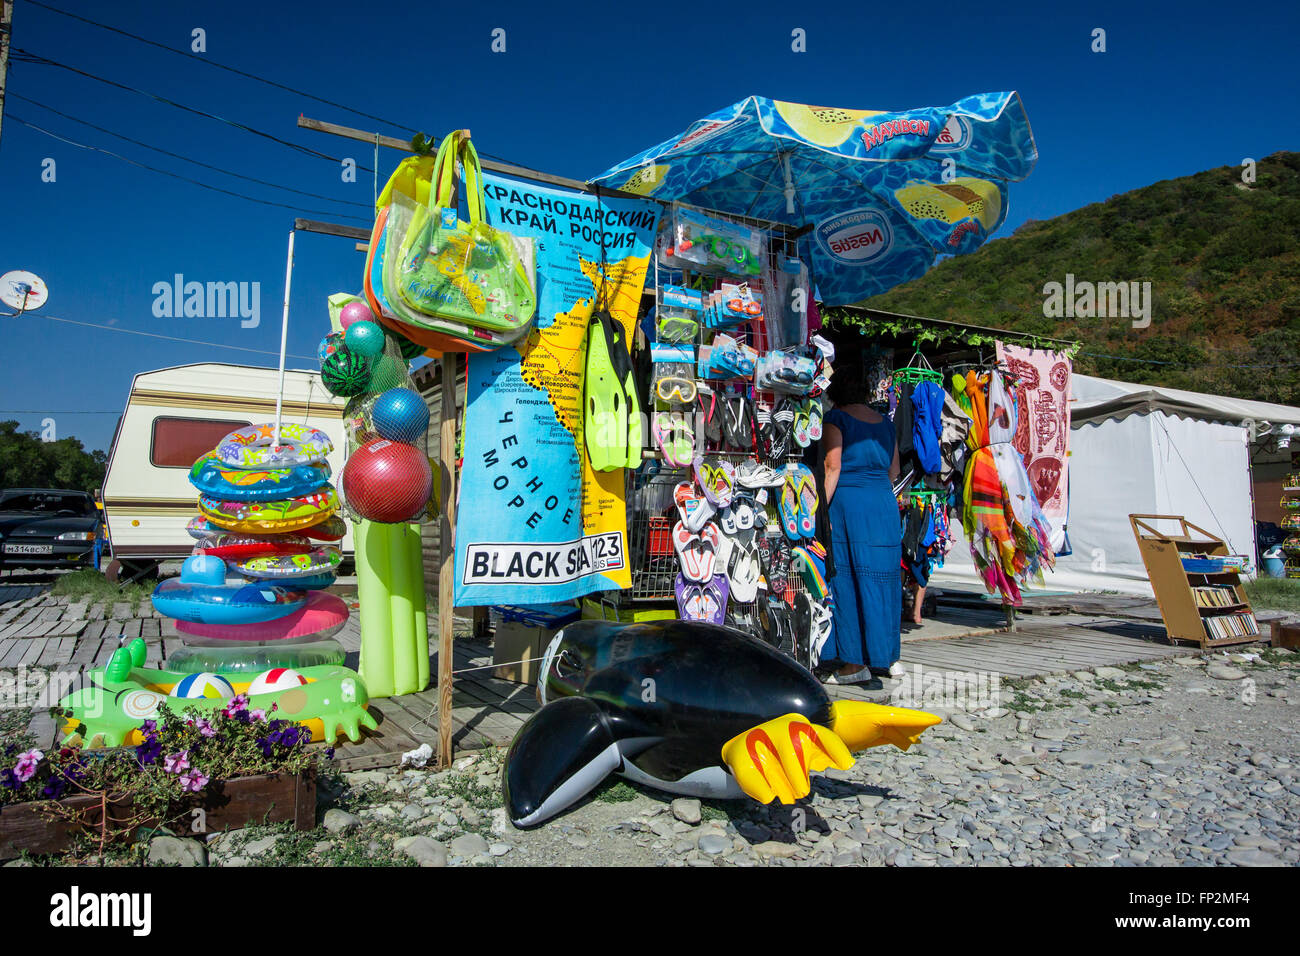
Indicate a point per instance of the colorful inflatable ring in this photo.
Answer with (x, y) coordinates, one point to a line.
(213, 478)
(244, 547)
(200, 528)
(317, 582)
(332, 528)
(108, 711)
(322, 616)
(322, 560)
(251, 447)
(201, 594)
(271, 516)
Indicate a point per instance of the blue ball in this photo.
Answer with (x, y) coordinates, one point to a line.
(400, 414)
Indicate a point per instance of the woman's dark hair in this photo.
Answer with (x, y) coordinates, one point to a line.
(849, 381)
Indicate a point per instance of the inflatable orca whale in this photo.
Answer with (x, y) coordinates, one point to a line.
(686, 707)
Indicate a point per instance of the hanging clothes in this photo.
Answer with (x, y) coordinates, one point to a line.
(956, 426)
(1000, 515)
(927, 426)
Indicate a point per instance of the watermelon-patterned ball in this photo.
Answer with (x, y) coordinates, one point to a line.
(277, 678)
(203, 685)
(345, 373)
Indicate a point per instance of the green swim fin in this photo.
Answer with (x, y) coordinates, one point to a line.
(604, 403)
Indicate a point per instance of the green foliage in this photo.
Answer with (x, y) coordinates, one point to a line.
(1222, 257)
(28, 462)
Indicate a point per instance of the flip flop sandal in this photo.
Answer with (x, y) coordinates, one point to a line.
(779, 560)
(780, 432)
(742, 510)
(789, 505)
(710, 545)
(743, 573)
(687, 596)
(690, 600)
(806, 486)
(710, 417)
(713, 603)
(815, 423)
(781, 627)
(802, 426)
(717, 480)
(672, 435)
(822, 623)
(694, 556)
(812, 569)
(727, 521)
(763, 546)
(756, 474)
(803, 622)
(695, 510)
(737, 423)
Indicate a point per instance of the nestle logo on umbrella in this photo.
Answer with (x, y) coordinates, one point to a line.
(857, 236)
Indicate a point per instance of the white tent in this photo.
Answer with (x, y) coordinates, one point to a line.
(1139, 449)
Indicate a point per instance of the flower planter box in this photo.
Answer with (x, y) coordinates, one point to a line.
(223, 805)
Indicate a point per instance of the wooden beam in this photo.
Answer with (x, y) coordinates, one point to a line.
(447, 525)
(331, 229)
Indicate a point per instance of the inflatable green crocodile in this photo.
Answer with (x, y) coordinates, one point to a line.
(108, 713)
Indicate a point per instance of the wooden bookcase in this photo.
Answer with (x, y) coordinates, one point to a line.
(1162, 554)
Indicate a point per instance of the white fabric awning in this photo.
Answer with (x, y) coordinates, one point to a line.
(1097, 399)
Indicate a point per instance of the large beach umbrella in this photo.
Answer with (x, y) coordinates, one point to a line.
(885, 192)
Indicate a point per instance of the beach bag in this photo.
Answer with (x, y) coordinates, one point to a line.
(458, 271)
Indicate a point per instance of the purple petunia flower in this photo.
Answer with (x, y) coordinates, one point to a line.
(148, 752)
(27, 763)
(238, 705)
(194, 781)
(259, 715)
(205, 728)
(175, 763)
(9, 779)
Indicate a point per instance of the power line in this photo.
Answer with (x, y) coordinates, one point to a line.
(187, 179)
(183, 158)
(26, 56)
(171, 338)
(221, 66)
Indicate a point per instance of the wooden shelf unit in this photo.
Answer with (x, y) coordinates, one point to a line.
(1184, 618)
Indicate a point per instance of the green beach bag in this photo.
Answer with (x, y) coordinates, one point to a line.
(468, 272)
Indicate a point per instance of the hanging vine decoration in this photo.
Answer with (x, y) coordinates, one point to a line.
(925, 334)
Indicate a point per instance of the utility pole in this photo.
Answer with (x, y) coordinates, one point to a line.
(6, 28)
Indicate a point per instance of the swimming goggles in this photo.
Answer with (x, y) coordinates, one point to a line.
(677, 329)
(677, 389)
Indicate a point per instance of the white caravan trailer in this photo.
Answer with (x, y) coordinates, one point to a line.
(172, 417)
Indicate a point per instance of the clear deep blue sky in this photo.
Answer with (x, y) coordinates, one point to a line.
(1182, 87)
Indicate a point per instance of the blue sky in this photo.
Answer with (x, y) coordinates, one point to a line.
(1181, 87)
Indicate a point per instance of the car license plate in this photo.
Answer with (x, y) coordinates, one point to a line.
(29, 549)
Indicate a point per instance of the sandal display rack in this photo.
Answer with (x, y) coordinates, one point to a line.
(649, 493)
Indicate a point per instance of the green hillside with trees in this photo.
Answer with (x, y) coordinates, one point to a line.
(1222, 257)
(28, 462)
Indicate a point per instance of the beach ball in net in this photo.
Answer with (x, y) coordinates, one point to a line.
(203, 685)
(329, 345)
(400, 414)
(387, 481)
(355, 312)
(357, 419)
(277, 678)
(367, 338)
(346, 373)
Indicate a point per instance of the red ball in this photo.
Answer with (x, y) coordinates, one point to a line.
(387, 481)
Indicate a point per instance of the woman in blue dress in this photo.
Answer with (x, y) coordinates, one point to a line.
(860, 463)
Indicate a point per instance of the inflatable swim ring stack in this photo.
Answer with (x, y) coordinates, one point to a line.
(251, 596)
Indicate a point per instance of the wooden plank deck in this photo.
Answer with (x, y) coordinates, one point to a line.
(488, 711)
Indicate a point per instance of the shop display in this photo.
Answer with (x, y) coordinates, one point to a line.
(698, 736)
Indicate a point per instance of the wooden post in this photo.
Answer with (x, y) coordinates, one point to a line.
(446, 584)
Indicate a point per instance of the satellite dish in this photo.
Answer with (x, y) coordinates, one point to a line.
(23, 291)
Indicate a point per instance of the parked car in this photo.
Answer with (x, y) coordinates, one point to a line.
(47, 528)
